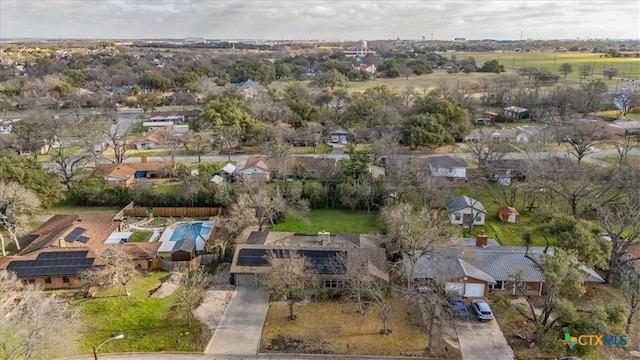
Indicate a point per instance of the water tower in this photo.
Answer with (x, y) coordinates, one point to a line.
(361, 48)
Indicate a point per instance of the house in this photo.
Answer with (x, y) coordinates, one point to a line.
(516, 113)
(452, 168)
(181, 98)
(339, 135)
(491, 115)
(312, 167)
(527, 133)
(370, 68)
(256, 165)
(249, 88)
(124, 174)
(52, 268)
(507, 214)
(153, 139)
(332, 256)
(364, 135)
(476, 267)
(464, 210)
(506, 170)
(184, 114)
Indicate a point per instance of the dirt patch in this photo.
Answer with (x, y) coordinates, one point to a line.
(169, 284)
(215, 301)
(297, 345)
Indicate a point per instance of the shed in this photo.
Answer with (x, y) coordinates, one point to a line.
(507, 214)
(183, 250)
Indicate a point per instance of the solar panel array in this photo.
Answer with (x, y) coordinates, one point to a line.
(76, 234)
(53, 264)
(322, 261)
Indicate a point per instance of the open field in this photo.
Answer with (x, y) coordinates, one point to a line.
(337, 328)
(145, 322)
(627, 67)
(333, 221)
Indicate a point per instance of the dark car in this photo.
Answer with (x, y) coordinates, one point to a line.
(459, 308)
(481, 309)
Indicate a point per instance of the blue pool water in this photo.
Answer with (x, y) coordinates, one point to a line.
(186, 231)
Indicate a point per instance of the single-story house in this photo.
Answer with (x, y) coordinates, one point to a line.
(181, 98)
(153, 139)
(527, 133)
(124, 174)
(476, 267)
(506, 170)
(249, 88)
(339, 135)
(52, 268)
(516, 113)
(331, 255)
(507, 214)
(314, 167)
(464, 210)
(453, 168)
(185, 114)
(256, 166)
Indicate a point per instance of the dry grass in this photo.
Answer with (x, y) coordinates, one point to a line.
(337, 328)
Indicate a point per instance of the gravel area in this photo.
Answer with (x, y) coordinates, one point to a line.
(215, 301)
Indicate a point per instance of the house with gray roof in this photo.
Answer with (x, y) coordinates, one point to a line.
(452, 168)
(476, 267)
(464, 210)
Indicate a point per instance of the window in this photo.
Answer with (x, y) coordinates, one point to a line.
(479, 217)
(499, 285)
(31, 281)
(47, 280)
(331, 284)
(65, 279)
(458, 217)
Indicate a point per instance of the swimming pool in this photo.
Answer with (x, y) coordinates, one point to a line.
(186, 231)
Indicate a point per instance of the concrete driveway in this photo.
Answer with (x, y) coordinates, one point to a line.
(240, 328)
(482, 340)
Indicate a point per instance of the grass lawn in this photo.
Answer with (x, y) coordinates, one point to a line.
(321, 148)
(333, 221)
(144, 321)
(141, 236)
(65, 208)
(616, 159)
(337, 328)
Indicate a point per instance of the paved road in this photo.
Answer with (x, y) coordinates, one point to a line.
(191, 356)
(482, 341)
(240, 328)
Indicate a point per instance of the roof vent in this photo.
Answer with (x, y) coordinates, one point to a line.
(324, 238)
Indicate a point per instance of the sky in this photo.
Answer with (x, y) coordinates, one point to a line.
(320, 20)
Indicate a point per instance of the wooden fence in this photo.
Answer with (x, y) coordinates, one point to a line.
(181, 266)
(173, 211)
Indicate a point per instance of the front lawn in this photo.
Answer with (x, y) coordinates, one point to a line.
(321, 148)
(145, 322)
(333, 221)
(337, 328)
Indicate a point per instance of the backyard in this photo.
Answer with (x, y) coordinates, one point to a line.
(146, 323)
(333, 221)
(337, 328)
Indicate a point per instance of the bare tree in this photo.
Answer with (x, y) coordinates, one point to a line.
(238, 216)
(30, 325)
(227, 138)
(117, 137)
(17, 204)
(380, 292)
(414, 233)
(582, 137)
(629, 283)
(385, 145)
(290, 276)
(487, 149)
(67, 165)
(624, 145)
(120, 269)
(193, 287)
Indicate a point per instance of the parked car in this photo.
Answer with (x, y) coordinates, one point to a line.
(481, 309)
(459, 308)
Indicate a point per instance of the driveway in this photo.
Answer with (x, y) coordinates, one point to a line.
(240, 329)
(482, 341)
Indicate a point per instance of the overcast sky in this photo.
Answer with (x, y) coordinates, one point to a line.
(326, 20)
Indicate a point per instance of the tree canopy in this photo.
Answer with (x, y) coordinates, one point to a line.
(29, 173)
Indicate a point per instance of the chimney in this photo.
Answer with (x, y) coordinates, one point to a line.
(62, 244)
(482, 239)
(324, 238)
(143, 159)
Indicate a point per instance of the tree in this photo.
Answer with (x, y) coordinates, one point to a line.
(290, 276)
(488, 150)
(591, 95)
(227, 137)
(148, 101)
(68, 165)
(624, 145)
(585, 70)
(625, 101)
(413, 233)
(120, 269)
(29, 173)
(331, 79)
(116, 137)
(380, 291)
(29, 324)
(237, 217)
(610, 73)
(566, 69)
(17, 205)
(193, 286)
(426, 130)
(227, 112)
(492, 66)
(451, 116)
(629, 283)
(582, 137)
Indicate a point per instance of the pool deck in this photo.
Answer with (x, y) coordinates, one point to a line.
(166, 245)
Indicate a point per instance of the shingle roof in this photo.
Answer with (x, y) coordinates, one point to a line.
(447, 161)
(444, 262)
(158, 136)
(186, 245)
(256, 161)
(463, 202)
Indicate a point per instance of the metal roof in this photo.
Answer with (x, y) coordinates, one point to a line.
(463, 202)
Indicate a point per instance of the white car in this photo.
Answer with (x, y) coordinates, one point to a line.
(481, 309)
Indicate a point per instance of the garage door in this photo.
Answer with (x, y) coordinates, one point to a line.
(455, 288)
(245, 279)
(474, 290)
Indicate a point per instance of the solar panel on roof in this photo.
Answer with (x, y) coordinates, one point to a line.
(74, 234)
(83, 239)
(53, 263)
(63, 255)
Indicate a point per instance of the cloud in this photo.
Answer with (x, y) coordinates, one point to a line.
(330, 19)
